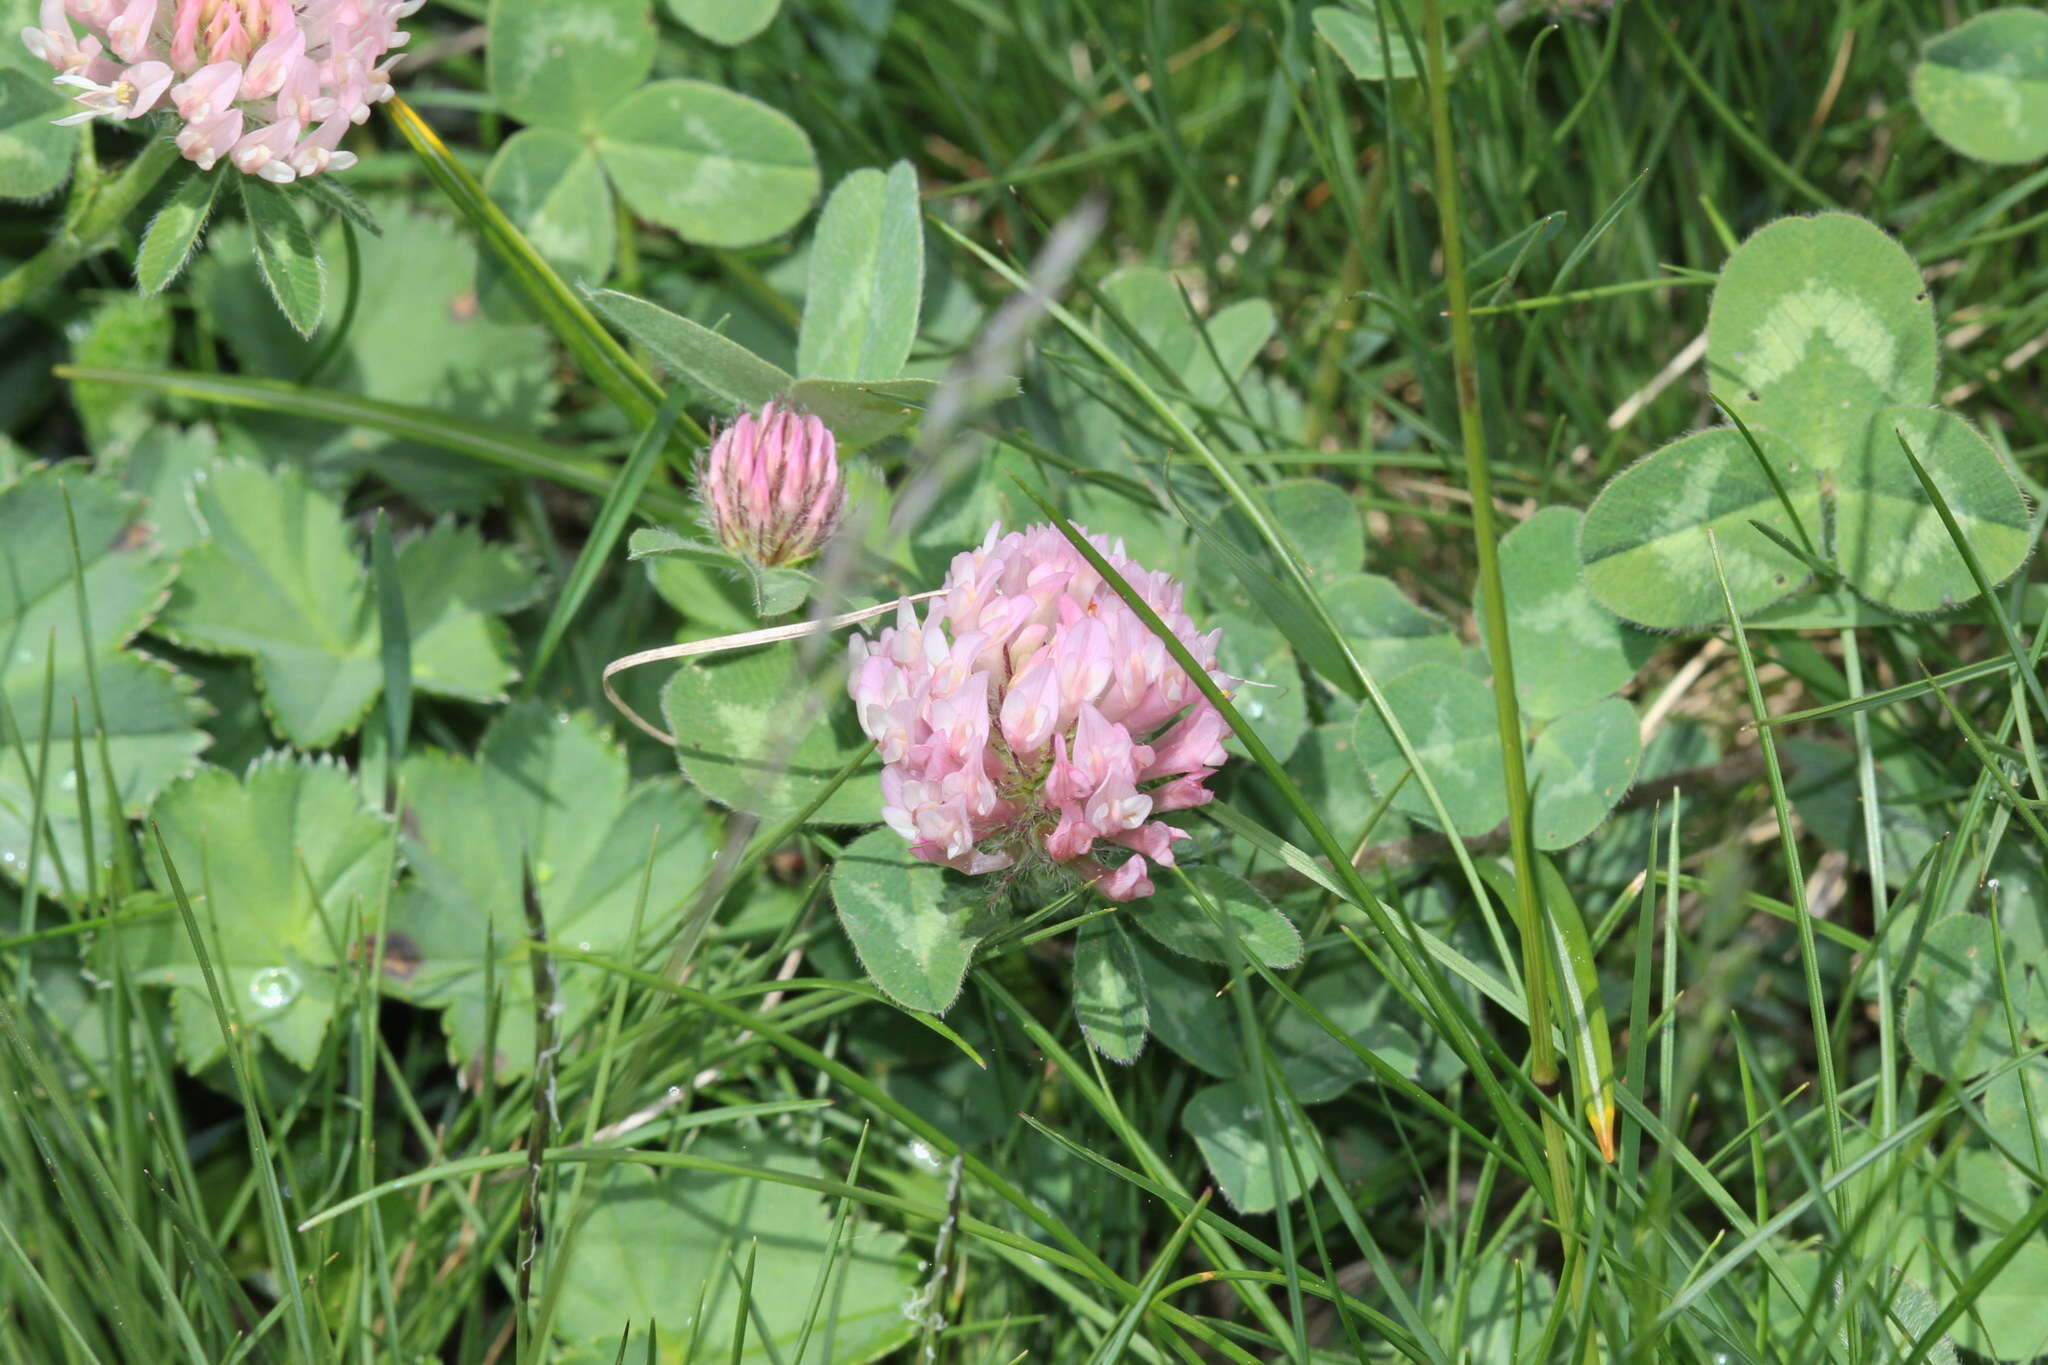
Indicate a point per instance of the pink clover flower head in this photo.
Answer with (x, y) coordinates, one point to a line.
(771, 488)
(270, 85)
(1031, 717)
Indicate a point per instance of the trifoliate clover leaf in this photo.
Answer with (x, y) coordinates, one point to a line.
(282, 867)
(277, 580)
(150, 709)
(555, 790)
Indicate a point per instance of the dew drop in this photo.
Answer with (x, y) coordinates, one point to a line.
(583, 946)
(274, 987)
(675, 1092)
(69, 781)
(543, 873)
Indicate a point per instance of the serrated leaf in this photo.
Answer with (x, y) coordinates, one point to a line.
(151, 712)
(278, 581)
(725, 22)
(866, 279)
(1955, 1023)
(562, 63)
(1109, 991)
(1449, 718)
(555, 789)
(1643, 545)
(914, 929)
(694, 353)
(285, 254)
(1176, 918)
(1579, 766)
(1815, 323)
(715, 166)
(1983, 86)
(757, 733)
(171, 236)
(1888, 538)
(277, 864)
(35, 154)
(1228, 1123)
(658, 1245)
(1567, 648)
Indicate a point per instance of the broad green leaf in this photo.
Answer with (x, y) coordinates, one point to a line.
(1181, 1009)
(914, 925)
(1271, 697)
(277, 580)
(1325, 766)
(1910, 787)
(168, 242)
(1989, 1189)
(1449, 718)
(725, 22)
(1568, 649)
(1389, 633)
(278, 864)
(1983, 86)
(656, 1240)
(1355, 36)
(1176, 918)
(1279, 602)
(1644, 542)
(554, 191)
(1889, 540)
(1356, 999)
(1505, 1303)
(563, 63)
(764, 730)
(2006, 1321)
(776, 591)
(2016, 1105)
(1579, 766)
(419, 338)
(861, 414)
(1319, 520)
(284, 253)
(152, 715)
(694, 353)
(715, 166)
(125, 331)
(1170, 352)
(1228, 1122)
(1109, 991)
(554, 789)
(1815, 323)
(866, 279)
(35, 154)
(1955, 1018)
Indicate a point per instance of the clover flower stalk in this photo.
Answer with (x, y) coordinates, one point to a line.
(771, 488)
(1031, 717)
(272, 85)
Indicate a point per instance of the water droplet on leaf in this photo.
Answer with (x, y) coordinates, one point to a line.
(274, 987)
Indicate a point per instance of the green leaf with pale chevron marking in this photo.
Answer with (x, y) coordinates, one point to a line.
(1816, 323)
(1579, 766)
(1983, 86)
(1449, 718)
(1889, 539)
(1643, 546)
(1567, 649)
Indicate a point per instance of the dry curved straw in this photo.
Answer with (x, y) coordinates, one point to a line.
(692, 649)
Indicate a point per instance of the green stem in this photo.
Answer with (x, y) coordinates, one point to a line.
(92, 227)
(1543, 1069)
